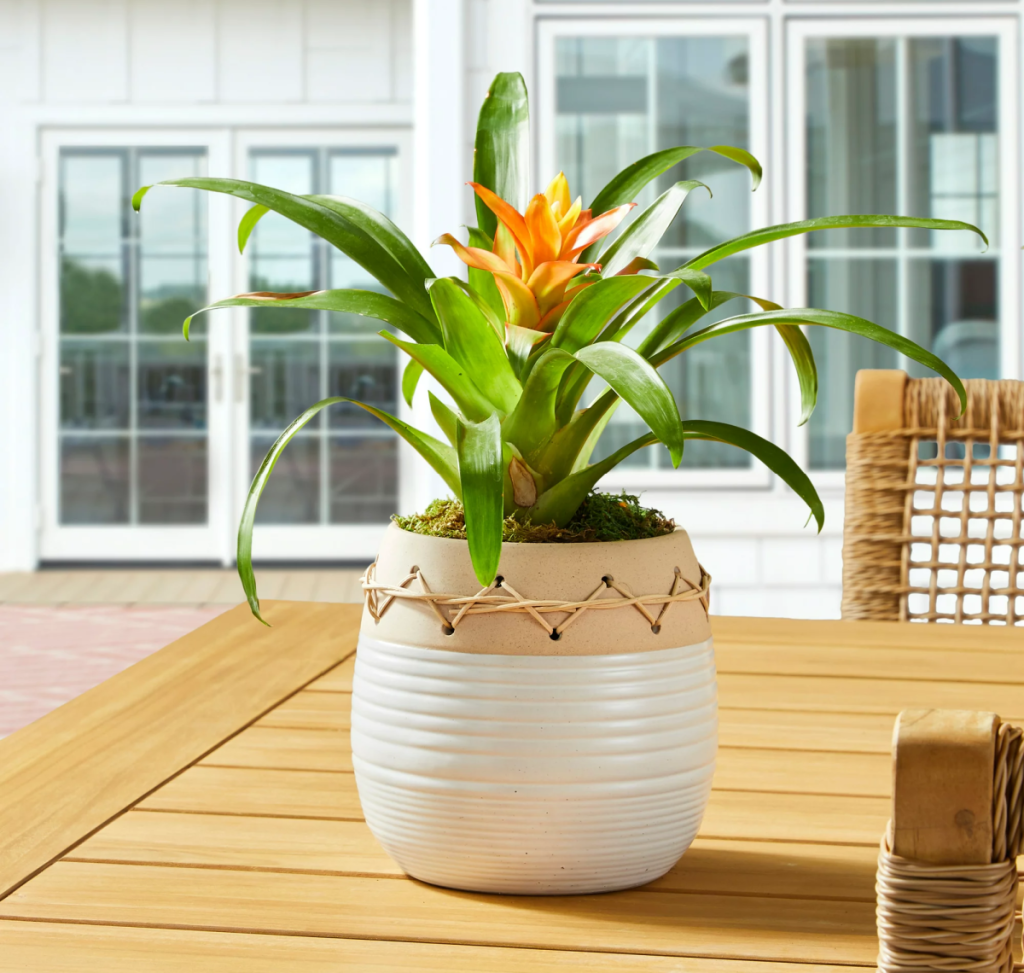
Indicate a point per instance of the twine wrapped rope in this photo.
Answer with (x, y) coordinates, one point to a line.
(957, 917)
(501, 597)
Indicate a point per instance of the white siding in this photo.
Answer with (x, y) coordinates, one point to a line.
(173, 58)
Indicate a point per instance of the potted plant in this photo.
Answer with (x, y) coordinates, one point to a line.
(539, 717)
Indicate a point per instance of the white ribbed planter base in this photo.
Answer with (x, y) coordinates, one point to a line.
(535, 774)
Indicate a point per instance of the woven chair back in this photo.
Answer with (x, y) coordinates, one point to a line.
(933, 503)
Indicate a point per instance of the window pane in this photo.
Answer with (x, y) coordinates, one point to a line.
(94, 480)
(124, 277)
(364, 479)
(285, 381)
(901, 125)
(622, 98)
(292, 494)
(172, 480)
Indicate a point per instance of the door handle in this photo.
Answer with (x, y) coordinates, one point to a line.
(218, 378)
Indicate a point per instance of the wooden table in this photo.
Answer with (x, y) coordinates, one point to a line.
(198, 812)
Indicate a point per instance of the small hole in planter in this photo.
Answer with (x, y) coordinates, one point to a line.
(555, 635)
(656, 629)
(447, 630)
(498, 581)
(607, 579)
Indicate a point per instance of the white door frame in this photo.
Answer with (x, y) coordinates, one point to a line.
(798, 30)
(172, 542)
(316, 542)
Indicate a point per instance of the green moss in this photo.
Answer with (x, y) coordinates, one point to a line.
(601, 517)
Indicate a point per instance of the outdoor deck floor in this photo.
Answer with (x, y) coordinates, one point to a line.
(64, 631)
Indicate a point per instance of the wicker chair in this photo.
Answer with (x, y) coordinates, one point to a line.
(933, 504)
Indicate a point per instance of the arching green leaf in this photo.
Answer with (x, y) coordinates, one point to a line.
(410, 379)
(592, 308)
(827, 319)
(445, 418)
(532, 423)
(471, 341)
(768, 234)
(248, 223)
(326, 222)
(482, 478)
(368, 304)
(501, 156)
(776, 459)
(440, 456)
(644, 233)
(452, 376)
(638, 384)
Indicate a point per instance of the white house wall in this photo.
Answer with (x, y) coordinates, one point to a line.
(333, 63)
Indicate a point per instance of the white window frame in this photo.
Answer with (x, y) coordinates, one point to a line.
(755, 28)
(946, 24)
(315, 542)
(117, 542)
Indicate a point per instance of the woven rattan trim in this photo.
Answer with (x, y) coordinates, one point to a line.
(957, 917)
(885, 488)
(501, 597)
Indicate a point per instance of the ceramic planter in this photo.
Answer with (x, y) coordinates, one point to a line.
(498, 759)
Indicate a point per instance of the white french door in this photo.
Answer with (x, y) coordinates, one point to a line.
(339, 480)
(135, 432)
(150, 442)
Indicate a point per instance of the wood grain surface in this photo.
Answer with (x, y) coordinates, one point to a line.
(255, 856)
(75, 768)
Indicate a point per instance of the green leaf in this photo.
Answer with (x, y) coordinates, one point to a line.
(624, 187)
(453, 377)
(501, 157)
(445, 418)
(592, 307)
(532, 423)
(806, 370)
(520, 342)
(410, 379)
(572, 445)
(644, 233)
(679, 320)
(558, 503)
(440, 456)
(768, 234)
(697, 281)
(772, 456)
(383, 230)
(482, 281)
(368, 304)
(326, 222)
(248, 223)
(471, 341)
(639, 385)
(482, 476)
(827, 319)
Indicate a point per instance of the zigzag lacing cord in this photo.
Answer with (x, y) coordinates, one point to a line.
(957, 917)
(502, 597)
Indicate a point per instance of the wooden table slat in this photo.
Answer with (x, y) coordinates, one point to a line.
(257, 857)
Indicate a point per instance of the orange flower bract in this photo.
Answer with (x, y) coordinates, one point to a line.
(535, 255)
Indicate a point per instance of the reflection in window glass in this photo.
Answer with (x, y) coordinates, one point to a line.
(342, 469)
(901, 125)
(619, 99)
(126, 284)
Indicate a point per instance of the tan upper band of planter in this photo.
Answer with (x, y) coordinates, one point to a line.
(563, 572)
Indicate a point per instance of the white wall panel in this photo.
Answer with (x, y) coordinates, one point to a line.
(261, 51)
(401, 58)
(85, 51)
(173, 52)
(348, 51)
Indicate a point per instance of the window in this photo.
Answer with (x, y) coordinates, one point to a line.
(132, 437)
(901, 125)
(342, 468)
(620, 98)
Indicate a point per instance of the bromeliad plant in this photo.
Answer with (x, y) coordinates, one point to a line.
(544, 310)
